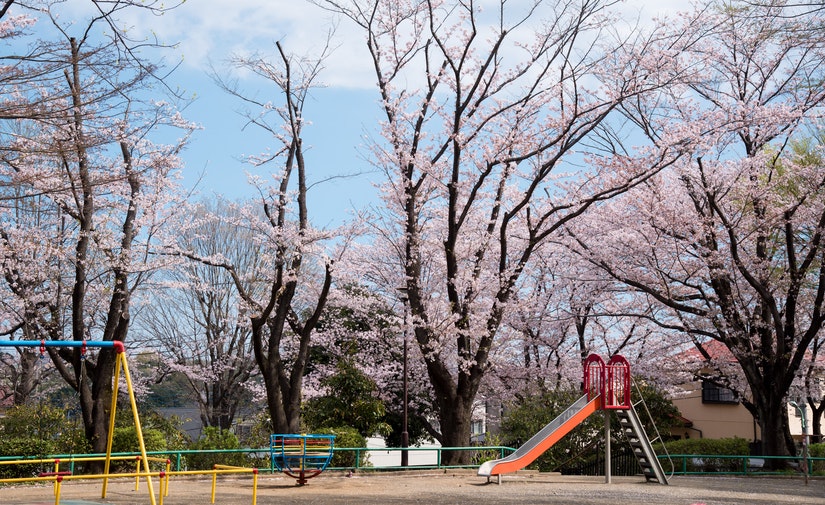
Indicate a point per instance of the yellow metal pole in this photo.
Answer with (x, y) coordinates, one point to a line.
(168, 470)
(214, 483)
(57, 480)
(138, 431)
(164, 484)
(254, 486)
(137, 470)
(111, 434)
(56, 473)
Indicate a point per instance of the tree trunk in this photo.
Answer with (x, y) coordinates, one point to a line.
(283, 418)
(816, 420)
(95, 391)
(456, 425)
(773, 423)
(27, 379)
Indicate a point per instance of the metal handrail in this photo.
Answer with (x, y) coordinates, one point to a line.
(658, 437)
(743, 468)
(686, 461)
(177, 457)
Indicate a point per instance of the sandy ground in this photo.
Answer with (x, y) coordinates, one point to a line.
(436, 488)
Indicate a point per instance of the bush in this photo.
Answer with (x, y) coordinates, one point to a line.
(346, 436)
(481, 456)
(125, 440)
(27, 447)
(707, 446)
(256, 432)
(817, 451)
(36, 432)
(169, 428)
(214, 438)
(352, 401)
(731, 446)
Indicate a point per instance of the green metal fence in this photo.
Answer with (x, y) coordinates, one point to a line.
(259, 458)
(704, 464)
(684, 464)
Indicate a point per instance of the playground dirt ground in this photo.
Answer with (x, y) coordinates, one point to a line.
(436, 488)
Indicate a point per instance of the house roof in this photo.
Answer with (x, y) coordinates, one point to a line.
(713, 348)
(720, 352)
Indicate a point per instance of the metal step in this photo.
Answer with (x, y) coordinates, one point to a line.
(642, 448)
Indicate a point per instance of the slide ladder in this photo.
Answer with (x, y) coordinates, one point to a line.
(640, 442)
(641, 445)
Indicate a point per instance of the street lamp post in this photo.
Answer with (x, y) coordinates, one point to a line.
(802, 408)
(405, 436)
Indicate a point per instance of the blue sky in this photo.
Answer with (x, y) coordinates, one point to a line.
(207, 32)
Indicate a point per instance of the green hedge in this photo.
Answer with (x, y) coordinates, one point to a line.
(722, 446)
(346, 436)
(214, 438)
(707, 446)
(35, 431)
(817, 451)
(31, 448)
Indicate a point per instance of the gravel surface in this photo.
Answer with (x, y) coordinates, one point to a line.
(437, 488)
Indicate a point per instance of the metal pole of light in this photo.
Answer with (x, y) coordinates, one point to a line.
(802, 408)
(405, 436)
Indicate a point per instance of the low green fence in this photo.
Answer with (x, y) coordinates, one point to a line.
(704, 464)
(366, 459)
(259, 458)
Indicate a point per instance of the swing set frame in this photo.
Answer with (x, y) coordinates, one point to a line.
(121, 364)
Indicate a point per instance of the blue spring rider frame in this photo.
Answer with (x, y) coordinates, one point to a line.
(301, 456)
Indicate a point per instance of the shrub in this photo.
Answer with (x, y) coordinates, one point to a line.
(36, 432)
(481, 456)
(706, 446)
(817, 451)
(125, 439)
(352, 401)
(169, 428)
(346, 436)
(257, 432)
(214, 438)
(25, 447)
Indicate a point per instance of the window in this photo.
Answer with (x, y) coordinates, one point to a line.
(714, 393)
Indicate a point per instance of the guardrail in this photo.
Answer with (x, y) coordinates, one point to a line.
(260, 457)
(704, 464)
(685, 464)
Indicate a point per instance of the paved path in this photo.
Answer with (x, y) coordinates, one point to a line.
(440, 488)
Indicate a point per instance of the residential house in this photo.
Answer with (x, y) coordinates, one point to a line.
(710, 410)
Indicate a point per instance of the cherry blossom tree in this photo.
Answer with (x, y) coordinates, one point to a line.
(490, 108)
(21, 375)
(85, 193)
(567, 309)
(194, 322)
(361, 329)
(284, 295)
(729, 242)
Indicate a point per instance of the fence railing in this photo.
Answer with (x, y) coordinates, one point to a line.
(366, 459)
(703, 464)
(362, 457)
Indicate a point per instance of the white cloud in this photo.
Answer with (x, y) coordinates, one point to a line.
(211, 30)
